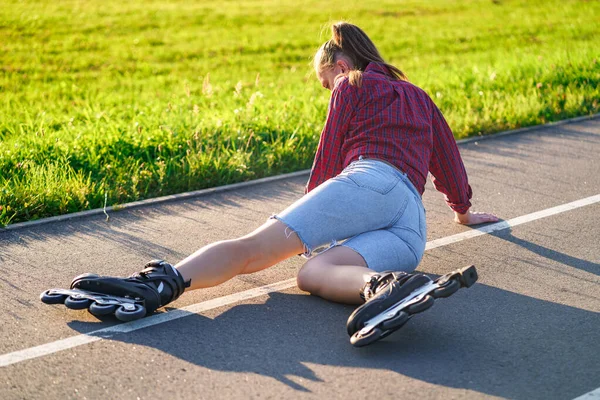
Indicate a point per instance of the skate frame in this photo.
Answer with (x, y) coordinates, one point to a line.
(418, 294)
(103, 299)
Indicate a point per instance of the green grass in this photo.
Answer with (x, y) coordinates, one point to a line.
(135, 99)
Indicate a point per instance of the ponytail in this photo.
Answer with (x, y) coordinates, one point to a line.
(351, 41)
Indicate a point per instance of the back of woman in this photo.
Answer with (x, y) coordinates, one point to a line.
(391, 120)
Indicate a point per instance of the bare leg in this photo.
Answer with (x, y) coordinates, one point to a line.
(221, 261)
(336, 275)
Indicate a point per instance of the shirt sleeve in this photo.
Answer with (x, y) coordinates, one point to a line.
(328, 160)
(446, 166)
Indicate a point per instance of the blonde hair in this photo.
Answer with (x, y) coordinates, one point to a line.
(351, 41)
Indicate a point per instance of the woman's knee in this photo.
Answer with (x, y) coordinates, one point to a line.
(309, 276)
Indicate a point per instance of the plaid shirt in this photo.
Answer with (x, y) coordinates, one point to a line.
(393, 121)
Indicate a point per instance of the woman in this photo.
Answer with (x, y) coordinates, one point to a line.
(362, 212)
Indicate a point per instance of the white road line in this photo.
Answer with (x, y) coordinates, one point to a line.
(512, 222)
(593, 395)
(74, 341)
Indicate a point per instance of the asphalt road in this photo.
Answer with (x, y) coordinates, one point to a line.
(528, 330)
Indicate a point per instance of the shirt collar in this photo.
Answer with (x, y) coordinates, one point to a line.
(376, 67)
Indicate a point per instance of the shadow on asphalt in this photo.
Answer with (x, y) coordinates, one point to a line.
(483, 339)
(562, 258)
(511, 147)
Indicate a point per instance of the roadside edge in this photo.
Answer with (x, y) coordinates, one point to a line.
(234, 186)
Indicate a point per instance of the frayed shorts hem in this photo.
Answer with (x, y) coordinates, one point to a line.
(289, 230)
(309, 252)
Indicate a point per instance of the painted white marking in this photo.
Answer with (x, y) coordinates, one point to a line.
(593, 395)
(498, 226)
(74, 341)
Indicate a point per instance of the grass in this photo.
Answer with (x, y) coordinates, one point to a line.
(137, 99)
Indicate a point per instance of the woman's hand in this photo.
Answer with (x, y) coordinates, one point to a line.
(474, 218)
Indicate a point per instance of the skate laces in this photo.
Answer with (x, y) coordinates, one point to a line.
(162, 275)
(146, 271)
(155, 266)
(380, 281)
(367, 290)
(164, 268)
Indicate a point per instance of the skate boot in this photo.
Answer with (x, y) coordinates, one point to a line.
(158, 284)
(392, 298)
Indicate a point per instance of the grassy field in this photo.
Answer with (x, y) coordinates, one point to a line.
(127, 100)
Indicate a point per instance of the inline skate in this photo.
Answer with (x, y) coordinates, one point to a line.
(158, 284)
(392, 298)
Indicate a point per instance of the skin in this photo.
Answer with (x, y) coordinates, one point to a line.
(337, 274)
(328, 75)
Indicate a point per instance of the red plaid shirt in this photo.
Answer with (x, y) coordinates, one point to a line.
(393, 121)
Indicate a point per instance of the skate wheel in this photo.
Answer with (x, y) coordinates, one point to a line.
(356, 321)
(125, 315)
(52, 298)
(359, 341)
(352, 326)
(447, 290)
(421, 306)
(77, 303)
(395, 323)
(101, 309)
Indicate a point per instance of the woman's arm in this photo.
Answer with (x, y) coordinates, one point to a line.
(449, 174)
(446, 166)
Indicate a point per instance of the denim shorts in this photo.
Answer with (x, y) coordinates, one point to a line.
(370, 207)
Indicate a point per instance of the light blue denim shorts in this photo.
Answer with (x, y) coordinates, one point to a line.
(372, 208)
